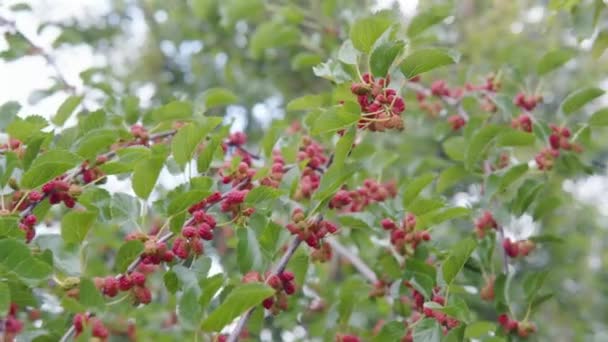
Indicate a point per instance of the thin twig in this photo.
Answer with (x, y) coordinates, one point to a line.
(354, 259)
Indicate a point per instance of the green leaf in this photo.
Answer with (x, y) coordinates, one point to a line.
(175, 110)
(66, 110)
(337, 118)
(479, 143)
(392, 331)
(450, 177)
(415, 186)
(96, 141)
(5, 299)
(333, 71)
(512, 175)
(272, 34)
(127, 253)
(238, 301)
(22, 129)
(515, 138)
(48, 166)
(210, 286)
(184, 200)
(146, 174)
(533, 282)
(457, 258)
(189, 311)
(479, 329)
(171, 281)
(600, 44)
(439, 216)
(206, 157)
(249, 255)
(218, 97)
(33, 148)
(553, 60)
(422, 205)
(261, 194)
(383, 56)
(426, 19)
(89, 295)
(347, 53)
(427, 59)
(365, 31)
(76, 224)
(185, 142)
(8, 111)
(599, 118)
(332, 180)
(577, 99)
(344, 146)
(305, 102)
(427, 331)
(9, 226)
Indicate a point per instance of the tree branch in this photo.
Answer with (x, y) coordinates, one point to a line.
(354, 259)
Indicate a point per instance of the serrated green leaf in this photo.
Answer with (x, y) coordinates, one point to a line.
(9, 226)
(599, 118)
(210, 286)
(479, 329)
(450, 177)
(238, 301)
(479, 143)
(189, 311)
(427, 59)
(96, 141)
(337, 118)
(76, 224)
(48, 166)
(185, 142)
(305, 102)
(553, 60)
(427, 331)
(8, 112)
(66, 110)
(175, 110)
(457, 258)
(146, 174)
(127, 253)
(421, 22)
(365, 31)
(577, 99)
(515, 138)
(415, 186)
(89, 296)
(260, 194)
(218, 97)
(392, 331)
(383, 56)
(249, 254)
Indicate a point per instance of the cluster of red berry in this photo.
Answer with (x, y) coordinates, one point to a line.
(558, 140)
(418, 299)
(312, 152)
(284, 285)
(98, 329)
(92, 173)
(134, 282)
(381, 106)
(12, 326)
(519, 248)
(523, 329)
(201, 228)
(484, 223)
(403, 237)
(59, 190)
(155, 251)
(140, 135)
(27, 226)
(322, 254)
(311, 231)
(358, 199)
(527, 102)
(276, 171)
(522, 122)
(233, 203)
(243, 172)
(235, 143)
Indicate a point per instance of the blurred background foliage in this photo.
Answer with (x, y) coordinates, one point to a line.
(264, 51)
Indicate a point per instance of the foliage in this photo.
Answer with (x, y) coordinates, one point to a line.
(341, 215)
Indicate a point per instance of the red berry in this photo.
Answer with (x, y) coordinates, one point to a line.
(388, 224)
(274, 282)
(30, 220)
(99, 330)
(268, 302)
(35, 196)
(138, 279)
(188, 232)
(289, 287)
(205, 233)
(125, 283)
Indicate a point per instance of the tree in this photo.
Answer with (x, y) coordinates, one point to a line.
(343, 218)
